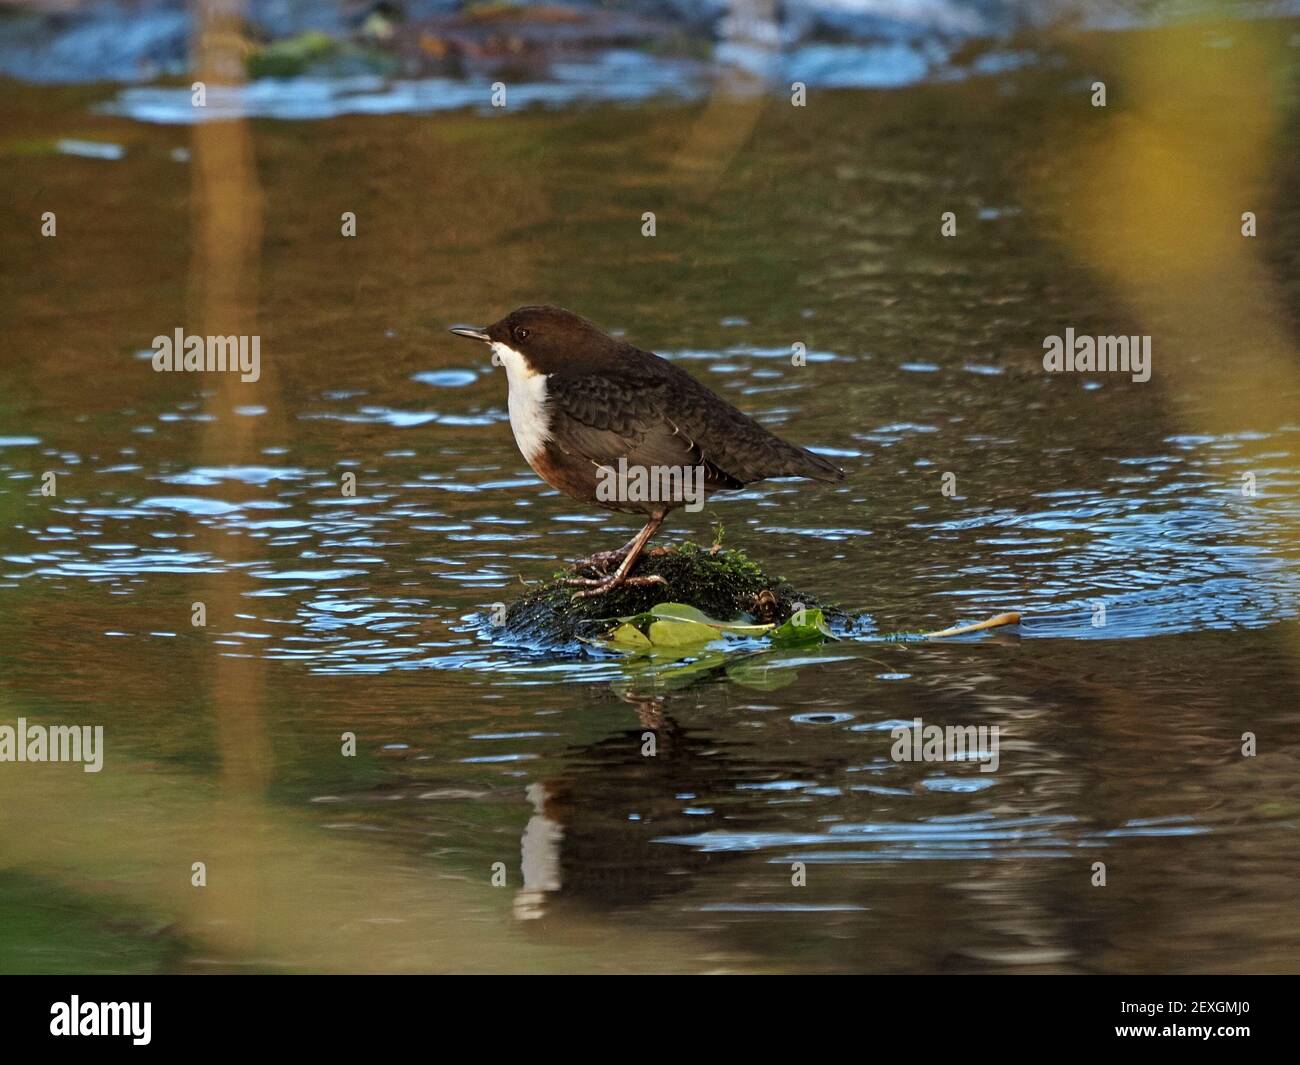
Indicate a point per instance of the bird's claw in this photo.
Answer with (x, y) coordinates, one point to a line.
(595, 587)
(600, 561)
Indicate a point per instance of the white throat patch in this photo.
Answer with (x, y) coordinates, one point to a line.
(528, 415)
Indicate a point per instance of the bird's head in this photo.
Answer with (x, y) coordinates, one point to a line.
(544, 340)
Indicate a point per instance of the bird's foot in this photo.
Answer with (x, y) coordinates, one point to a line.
(601, 560)
(593, 588)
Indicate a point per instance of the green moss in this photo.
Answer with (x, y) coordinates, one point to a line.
(291, 56)
(317, 53)
(724, 584)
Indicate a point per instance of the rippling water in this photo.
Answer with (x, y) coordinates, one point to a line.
(1160, 600)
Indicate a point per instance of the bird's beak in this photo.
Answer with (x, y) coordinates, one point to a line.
(472, 331)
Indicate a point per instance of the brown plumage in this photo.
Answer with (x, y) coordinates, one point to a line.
(581, 401)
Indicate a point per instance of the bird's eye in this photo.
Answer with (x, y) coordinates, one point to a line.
(521, 333)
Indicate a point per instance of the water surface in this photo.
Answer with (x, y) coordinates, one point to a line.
(1160, 599)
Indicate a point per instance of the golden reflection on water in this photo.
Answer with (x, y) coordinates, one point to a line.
(1190, 142)
(226, 206)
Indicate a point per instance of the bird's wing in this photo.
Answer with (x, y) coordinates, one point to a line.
(628, 416)
(652, 413)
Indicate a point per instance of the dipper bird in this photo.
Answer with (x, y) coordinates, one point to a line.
(584, 405)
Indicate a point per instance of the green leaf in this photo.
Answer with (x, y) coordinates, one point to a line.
(812, 629)
(673, 633)
(678, 626)
(681, 612)
(686, 612)
(629, 637)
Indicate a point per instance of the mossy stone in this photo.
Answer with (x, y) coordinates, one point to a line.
(724, 584)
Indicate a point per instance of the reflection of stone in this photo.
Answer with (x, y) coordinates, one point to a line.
(539, 857)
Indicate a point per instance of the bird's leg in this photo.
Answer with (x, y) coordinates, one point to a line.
(620, 576)
(602, 560)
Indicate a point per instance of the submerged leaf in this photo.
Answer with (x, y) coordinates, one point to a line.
(760, 675)
(666, 670)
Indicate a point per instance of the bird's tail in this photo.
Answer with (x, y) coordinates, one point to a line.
(804, 463)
